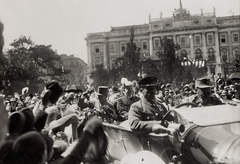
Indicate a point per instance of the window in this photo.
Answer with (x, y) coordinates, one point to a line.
(145, 45)
(197, 39)
(183, 41)
(112, 47)
(211, 54)
(156, 43)
(237, 54)
(235, 38)
(167, 24)
(212, 70)
(123, 48)
(210, 38)
(98, 61)
(196, 22)
(113, 63)
(96, 49)
(209, 20)
(224, 55)
(223, 38)
(198, 53)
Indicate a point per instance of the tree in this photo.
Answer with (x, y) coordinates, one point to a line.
(129, 64)
(100, 76)
(169, 65)
(25, 60)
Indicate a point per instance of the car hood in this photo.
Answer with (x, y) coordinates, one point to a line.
(219, 143)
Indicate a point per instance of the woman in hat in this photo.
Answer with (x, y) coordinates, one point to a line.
(224, 97)
(236, 96)
(170, 102)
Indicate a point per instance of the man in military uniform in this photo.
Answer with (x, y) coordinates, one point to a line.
(123, 103)
(145, 115)
(204, 96)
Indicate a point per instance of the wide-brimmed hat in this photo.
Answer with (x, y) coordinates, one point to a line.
(72, 88)
(102, 90)
(148, 81)
(29, 148)
(21, 121)
(25, 90)
(203, 83)
(17, 121)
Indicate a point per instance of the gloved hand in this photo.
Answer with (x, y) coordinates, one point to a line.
(92, 124)
(157, 128)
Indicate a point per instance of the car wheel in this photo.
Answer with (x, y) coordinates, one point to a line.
(168, 155)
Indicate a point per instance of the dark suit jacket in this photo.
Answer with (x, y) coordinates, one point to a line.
(143, 115)
(123, 106)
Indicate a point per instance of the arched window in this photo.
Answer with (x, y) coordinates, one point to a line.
(184, 54)
(98, 61)
(211, 54)
(112, 47)
(198, 54)
(224, 55)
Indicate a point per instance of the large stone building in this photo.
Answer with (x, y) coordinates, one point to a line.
(73, 71)
(204, 36)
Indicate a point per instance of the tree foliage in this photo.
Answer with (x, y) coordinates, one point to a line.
(169, 66)
(100, 76)
(23, 64)
(130, 63)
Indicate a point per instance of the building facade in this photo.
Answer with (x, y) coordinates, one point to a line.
(72, 68)
(201, 37)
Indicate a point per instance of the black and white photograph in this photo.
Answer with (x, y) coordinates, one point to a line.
(119, 82)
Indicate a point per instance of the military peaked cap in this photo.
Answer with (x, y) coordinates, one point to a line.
(148, 81)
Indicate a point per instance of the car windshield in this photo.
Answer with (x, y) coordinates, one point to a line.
(205, 116)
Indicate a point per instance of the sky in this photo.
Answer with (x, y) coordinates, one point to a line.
(65, 23)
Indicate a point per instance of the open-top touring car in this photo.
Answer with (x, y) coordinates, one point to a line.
(203, 135)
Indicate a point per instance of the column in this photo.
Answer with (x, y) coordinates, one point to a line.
(105, 54)
(174, 38)
(150, 44)
(218, 59)
(204, 45)
(230, 47)
(90, 65)
(192, 47)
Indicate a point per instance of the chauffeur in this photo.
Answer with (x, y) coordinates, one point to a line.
(145, 115)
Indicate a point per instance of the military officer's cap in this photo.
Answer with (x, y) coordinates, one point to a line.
(148, 81)
(203, 83)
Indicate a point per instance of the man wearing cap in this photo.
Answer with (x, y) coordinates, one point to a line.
(105, 107)
(145, 115)
(204, 93)
(124, 103)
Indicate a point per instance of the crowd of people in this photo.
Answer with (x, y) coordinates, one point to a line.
(57, 123)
